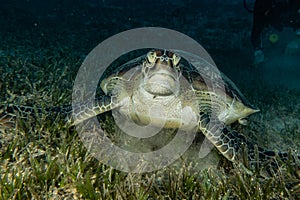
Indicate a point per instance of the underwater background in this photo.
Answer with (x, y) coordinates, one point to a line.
(42, 45)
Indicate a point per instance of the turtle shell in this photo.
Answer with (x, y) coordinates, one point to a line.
(204, 78)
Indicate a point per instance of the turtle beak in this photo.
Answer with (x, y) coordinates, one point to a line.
(162, 62)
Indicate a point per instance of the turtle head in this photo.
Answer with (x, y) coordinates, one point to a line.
(161, 73)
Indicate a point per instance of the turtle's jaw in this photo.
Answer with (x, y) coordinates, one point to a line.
(161, 84)
(161, 73)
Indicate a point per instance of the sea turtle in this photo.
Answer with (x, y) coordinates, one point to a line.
(185, 97)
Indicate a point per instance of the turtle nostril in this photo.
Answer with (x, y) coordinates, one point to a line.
(164, 58)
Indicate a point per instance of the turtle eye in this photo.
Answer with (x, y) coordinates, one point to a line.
(176, 60)
(151, 57)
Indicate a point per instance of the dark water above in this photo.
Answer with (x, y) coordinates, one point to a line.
(222, 27)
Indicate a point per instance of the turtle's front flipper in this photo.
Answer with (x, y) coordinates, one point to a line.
(9, 113)
(87, 110)
(236, 148)
(115, 89)
(80, 111)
